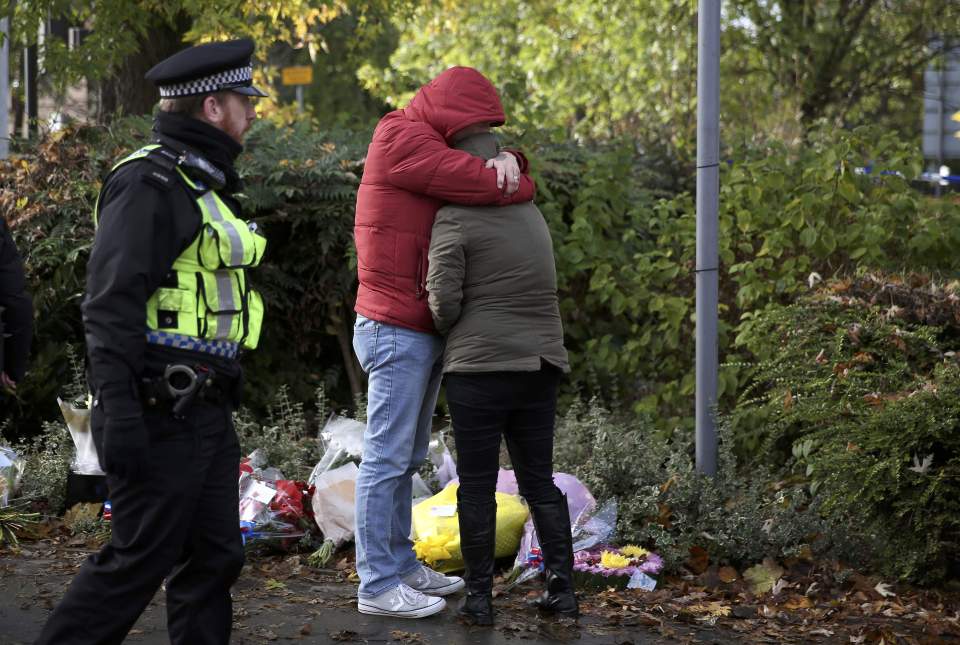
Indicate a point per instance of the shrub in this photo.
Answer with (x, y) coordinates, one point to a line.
(286, 439)
(857, 393)
(665, 504)
(300, 188)
(47, 458)
(626, 254)
(624, 234)
(47, 197)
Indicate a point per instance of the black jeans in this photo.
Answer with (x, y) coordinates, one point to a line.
(180, 524)
(521, 407)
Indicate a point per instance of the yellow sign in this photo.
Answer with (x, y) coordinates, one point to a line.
(298, 75)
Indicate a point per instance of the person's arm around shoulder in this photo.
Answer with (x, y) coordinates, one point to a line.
(447, 268)
(17, 311)
(421, 162)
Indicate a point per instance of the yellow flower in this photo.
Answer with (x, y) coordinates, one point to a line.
(432, 548)
(610, 560)
(633, 551)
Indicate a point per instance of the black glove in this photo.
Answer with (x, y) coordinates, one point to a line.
(126, 443)
(126, 448)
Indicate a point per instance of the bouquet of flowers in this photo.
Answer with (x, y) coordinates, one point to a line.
(625, 567)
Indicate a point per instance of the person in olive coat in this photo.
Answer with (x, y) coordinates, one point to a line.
(492, 290)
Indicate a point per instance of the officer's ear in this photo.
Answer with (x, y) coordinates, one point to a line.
(212, 109)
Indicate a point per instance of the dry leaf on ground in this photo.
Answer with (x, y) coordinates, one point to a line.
(763, 576)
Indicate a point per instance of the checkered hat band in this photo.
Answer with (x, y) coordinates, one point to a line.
(213, 83)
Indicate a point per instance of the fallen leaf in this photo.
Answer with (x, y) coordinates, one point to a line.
(820, 632)
(344, 635)
(699, 560)
(763, 576)
(306, 630)
(744, 611)
(273, 584)
(712, 608)
(663, 516)
(873, 399)
(788, 400)
(80, 513)
(779, 586)
(727, 574)
(921, 468)
(854, 333)
(798, 602)
(883, 589)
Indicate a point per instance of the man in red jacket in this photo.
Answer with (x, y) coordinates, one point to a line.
(410, 172)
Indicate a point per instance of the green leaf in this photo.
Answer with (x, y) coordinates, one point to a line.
(848, 191)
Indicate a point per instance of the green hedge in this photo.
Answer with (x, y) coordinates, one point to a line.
(626, 256)
(857, 398)
(624, 233)
(300, 188)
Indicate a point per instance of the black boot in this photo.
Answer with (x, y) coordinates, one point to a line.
(478, 525)
(552, 521)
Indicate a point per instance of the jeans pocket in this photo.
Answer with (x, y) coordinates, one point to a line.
(364, 324)
(365, 341)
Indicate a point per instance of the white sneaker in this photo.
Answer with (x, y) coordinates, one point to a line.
(432, 582)
(402, 602)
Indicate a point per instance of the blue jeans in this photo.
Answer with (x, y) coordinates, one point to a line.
(404, 368)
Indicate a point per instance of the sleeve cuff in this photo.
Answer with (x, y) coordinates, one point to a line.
(521, 159)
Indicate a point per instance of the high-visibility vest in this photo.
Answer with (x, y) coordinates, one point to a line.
(206, 294)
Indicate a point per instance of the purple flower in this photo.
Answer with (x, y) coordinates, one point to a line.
(653, 564)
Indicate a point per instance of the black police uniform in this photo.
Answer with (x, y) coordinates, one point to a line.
(172, 477)
(17, 316)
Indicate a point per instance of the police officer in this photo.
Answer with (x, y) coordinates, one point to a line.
(168, 306)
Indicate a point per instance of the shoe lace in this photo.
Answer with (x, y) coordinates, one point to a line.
(411, 596)
(431, 576)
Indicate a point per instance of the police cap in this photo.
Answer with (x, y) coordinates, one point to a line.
(207, 68)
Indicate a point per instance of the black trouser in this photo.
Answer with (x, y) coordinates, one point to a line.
(181, 522)
(520, 406)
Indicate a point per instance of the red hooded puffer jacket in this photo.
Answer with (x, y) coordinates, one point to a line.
(409, 173)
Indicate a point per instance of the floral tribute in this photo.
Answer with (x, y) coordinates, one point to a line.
(607, 566)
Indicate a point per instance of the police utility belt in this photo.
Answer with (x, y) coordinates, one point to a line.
(182, 385)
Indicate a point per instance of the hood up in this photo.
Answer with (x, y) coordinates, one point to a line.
(458, 97)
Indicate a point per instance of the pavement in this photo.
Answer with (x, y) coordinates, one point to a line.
(280, 600)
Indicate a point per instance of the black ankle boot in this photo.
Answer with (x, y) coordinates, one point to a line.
(552, 521)
(478, 525)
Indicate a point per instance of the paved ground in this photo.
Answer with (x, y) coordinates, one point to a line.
(281, 601)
